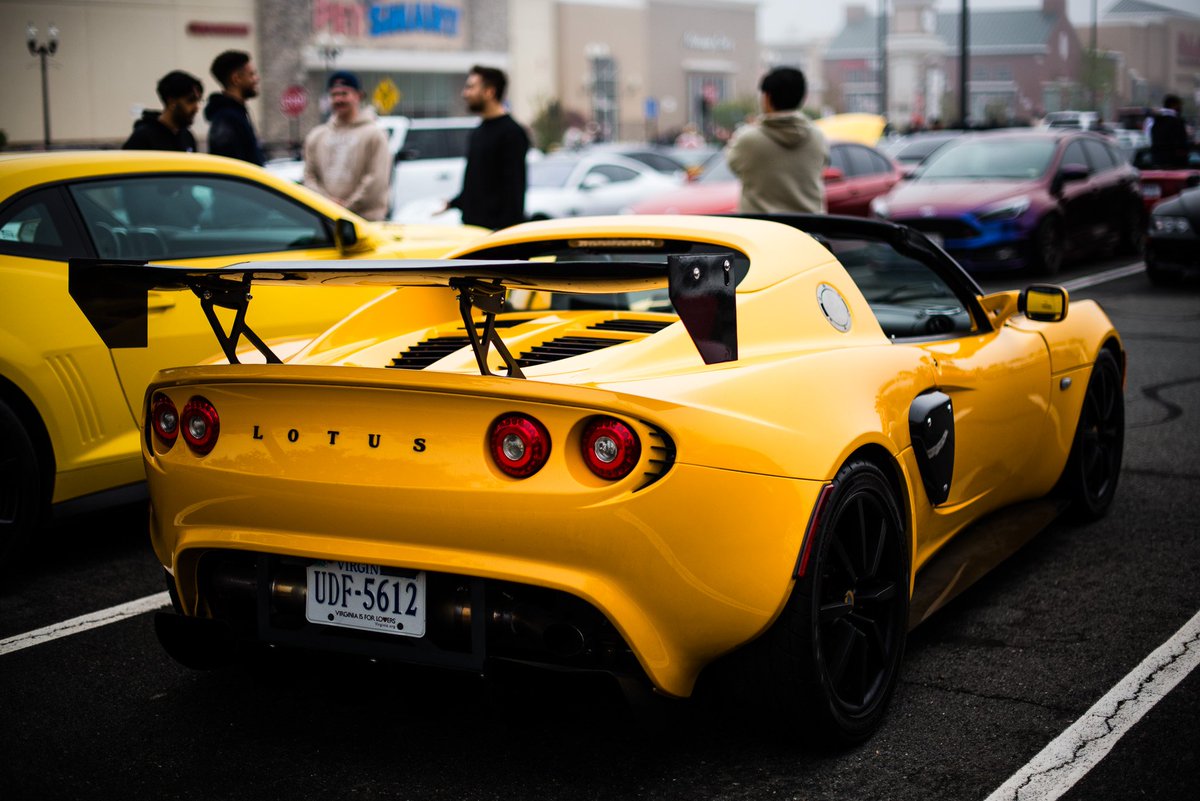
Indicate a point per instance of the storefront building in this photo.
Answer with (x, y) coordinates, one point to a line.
(629, 68)
(644, 68)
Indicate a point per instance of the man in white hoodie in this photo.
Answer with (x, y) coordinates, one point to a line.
(347, 158)
(780, 160)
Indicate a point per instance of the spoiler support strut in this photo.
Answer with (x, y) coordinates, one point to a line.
(488, 298)
(237, 297)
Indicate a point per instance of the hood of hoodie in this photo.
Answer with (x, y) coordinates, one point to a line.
(219, 102)
(149, 117)
(788, 130)
(365, 116)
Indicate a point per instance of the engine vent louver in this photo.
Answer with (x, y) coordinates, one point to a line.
(633, 326)
(564, 348)
(662, 457)
(428, 351)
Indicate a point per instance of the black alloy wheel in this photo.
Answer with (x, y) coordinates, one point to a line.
(861, 589)
(1094, 466)
(828, 666)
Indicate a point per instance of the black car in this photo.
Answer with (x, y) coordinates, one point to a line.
(1173, 240)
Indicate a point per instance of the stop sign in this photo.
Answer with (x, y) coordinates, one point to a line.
(294, 100)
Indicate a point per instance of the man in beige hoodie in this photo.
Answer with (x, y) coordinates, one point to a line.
(347, 158)
(780, 160)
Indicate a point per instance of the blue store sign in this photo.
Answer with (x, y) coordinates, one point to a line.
(389, 19)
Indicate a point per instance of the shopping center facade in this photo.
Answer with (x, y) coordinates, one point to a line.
(631, 67)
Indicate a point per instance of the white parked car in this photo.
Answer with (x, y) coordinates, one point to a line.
(429, 155)
(577, 185)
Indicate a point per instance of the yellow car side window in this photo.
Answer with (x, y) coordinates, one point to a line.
(187, 217)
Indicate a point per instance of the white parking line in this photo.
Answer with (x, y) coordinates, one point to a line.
(90, 621)
(1108, 275)
(1069, 757)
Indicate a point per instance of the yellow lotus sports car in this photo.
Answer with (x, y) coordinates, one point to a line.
(759, 449)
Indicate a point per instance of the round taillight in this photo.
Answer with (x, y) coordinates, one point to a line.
(520, 445)
(611, 449)
(164, 419)
(201, 425)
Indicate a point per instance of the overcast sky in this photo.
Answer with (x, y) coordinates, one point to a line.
(805, 19)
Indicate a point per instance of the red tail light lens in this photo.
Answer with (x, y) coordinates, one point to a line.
(164, 419)
(611, 449)
(201, 425)
(520, 445)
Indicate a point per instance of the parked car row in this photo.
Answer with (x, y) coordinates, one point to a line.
(855, 176)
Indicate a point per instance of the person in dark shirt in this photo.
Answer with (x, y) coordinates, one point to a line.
(1168, 135)
(169, 129)
(230, 132)
(493, 190)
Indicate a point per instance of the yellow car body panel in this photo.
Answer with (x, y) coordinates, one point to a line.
(332, 457)
(84, 395)
(853, 127)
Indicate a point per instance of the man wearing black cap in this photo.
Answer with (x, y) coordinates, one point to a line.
(168, 129)
(230, 132)
(493, 190)
(347, 158)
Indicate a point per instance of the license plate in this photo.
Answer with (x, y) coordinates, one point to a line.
(367, 597)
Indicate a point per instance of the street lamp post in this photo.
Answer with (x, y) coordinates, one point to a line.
(881, 47)
(964, 66)
(43, 50)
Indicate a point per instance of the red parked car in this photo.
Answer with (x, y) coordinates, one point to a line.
(856, 175)
(1160, 183)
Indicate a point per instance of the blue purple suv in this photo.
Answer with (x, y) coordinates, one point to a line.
(1022, 199)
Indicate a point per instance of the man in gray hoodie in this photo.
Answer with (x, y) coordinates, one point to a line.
(781, 159)
(347, 159)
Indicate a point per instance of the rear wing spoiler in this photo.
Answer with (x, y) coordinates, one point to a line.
(112, 294)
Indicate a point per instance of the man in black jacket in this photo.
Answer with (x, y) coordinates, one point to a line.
(1168, 135)
(230, 132)
(168, 129)
(493, 190)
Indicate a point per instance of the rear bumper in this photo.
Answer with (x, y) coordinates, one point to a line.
(682, 571)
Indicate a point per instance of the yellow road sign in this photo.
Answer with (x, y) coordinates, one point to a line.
(386, 96)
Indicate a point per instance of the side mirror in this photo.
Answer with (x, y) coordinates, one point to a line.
(1044, 303)
(832, 174)
(1069, 173)
(345, 234)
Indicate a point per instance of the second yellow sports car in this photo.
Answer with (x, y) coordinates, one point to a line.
(731, 444)
(68, 433)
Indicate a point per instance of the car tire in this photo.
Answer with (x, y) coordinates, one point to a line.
(1089, 481)
(1046, 247)
(1132, 236)
(833, 656)
(20, 484)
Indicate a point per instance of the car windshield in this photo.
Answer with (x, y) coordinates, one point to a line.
(551, 172)
(990, 159)
(917, 150)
